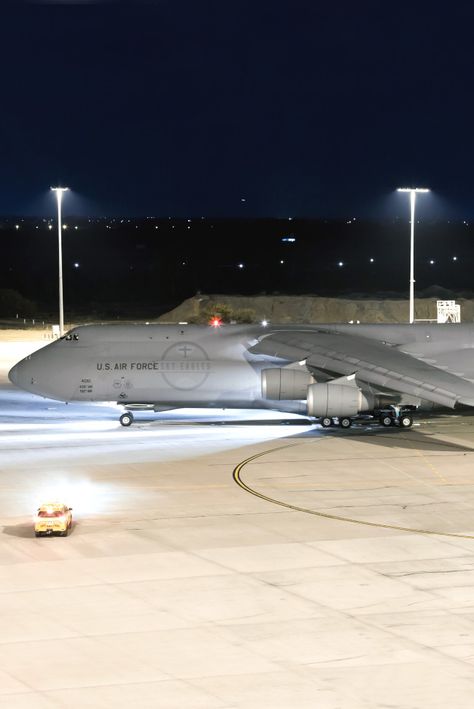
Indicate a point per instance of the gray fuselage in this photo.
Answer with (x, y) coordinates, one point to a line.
(202, 366)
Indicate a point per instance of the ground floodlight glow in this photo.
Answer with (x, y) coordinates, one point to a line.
(84, 496)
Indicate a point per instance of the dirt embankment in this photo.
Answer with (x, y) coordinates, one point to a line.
(313, 309)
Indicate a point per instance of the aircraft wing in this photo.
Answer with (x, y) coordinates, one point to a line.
(373, 362)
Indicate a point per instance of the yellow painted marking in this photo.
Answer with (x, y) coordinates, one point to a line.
(325, 515)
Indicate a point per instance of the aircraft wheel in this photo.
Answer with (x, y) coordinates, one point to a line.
(326, 422)
(386, 420)
(406, 421)
(345, 422)
(126, 419)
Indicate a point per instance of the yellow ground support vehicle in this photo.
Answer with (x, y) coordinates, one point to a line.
(53, 518)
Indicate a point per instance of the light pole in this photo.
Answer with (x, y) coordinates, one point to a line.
(59, 195)
(413, 191)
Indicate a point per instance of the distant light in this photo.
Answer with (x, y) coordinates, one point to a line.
(64, 226)
(264, 323)
(240, 265)
(431, 261)
(242, 199)
(76, 265)
(371, 260)
(76, 227)
(215, 322)
(340, 264)
(455, 258)
(282, 262)
(17, 226)
(50, 226)
(413, 189)
(289, 239)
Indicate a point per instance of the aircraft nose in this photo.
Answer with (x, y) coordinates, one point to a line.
(18, 376)
(13, 375)
(42, 374)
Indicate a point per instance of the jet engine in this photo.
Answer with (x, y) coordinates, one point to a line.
(338, 400)
(286, 384)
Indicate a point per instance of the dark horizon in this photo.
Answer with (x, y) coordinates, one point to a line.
(236, 109)
(149, 262)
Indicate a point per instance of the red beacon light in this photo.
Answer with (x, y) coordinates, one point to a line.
(215, 322)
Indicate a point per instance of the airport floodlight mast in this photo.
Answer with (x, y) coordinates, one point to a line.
(59, 195)
(413, 192)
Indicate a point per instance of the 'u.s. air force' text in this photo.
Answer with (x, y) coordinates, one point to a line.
(163, 366)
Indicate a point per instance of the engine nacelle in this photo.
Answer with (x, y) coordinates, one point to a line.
(337, 400)
(289, 384)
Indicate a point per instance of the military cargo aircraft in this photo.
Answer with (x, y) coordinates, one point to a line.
(332, 373)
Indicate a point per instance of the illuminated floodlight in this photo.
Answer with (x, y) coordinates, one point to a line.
(413, 189)
(413, 192)
(59, 196)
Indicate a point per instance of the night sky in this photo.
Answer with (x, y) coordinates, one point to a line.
(230, 108)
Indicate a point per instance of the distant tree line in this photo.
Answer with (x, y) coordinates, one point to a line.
(13, 303)
(226, 314)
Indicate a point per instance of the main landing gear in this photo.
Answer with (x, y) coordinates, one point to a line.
(404, 419)
(342, 421)
(392, 417)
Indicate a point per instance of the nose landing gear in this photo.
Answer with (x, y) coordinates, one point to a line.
(126, 419)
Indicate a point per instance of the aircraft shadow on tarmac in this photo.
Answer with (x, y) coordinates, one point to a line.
(406, 439)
